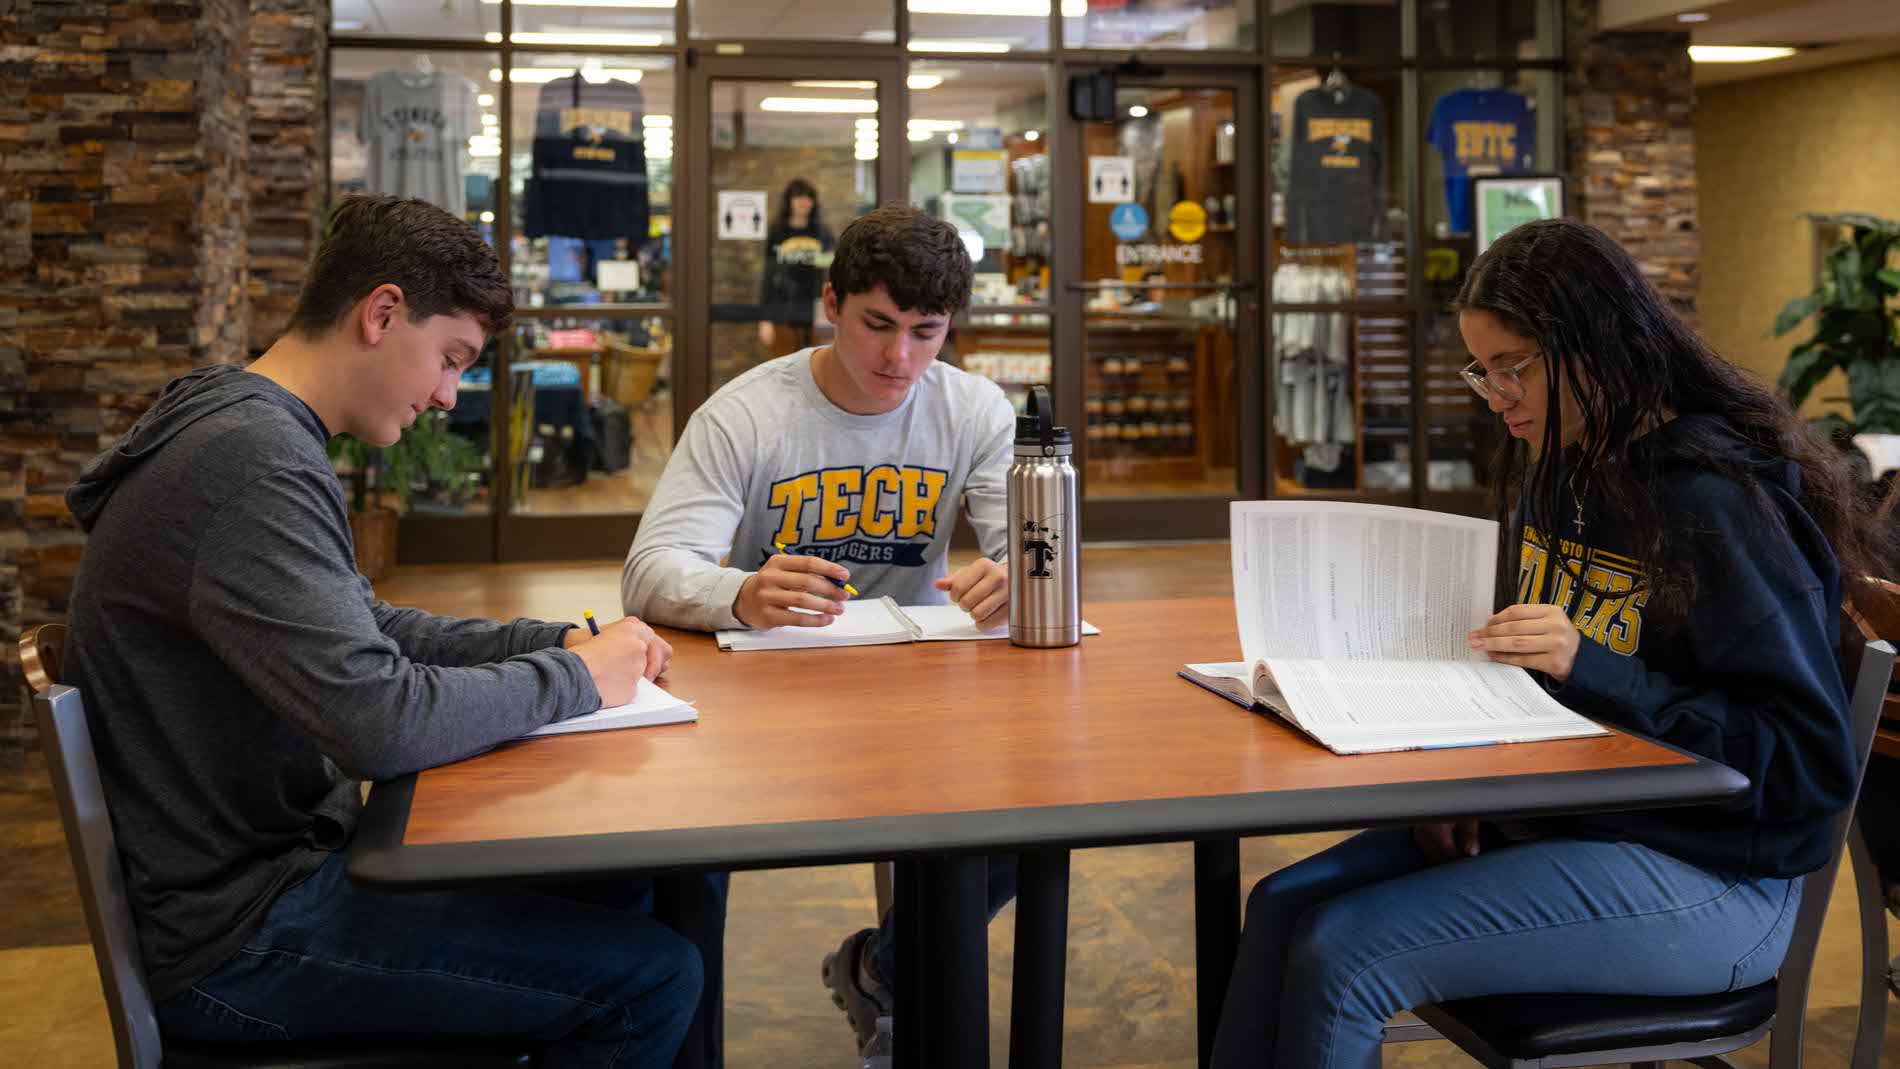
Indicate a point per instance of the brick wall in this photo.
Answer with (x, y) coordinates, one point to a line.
(1630, 124)
(126, 194)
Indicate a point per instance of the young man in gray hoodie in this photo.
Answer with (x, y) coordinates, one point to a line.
(241, 678)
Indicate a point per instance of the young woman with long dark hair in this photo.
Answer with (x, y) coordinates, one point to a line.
(1674, 551)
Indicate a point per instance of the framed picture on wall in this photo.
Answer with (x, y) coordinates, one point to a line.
(1501, 202)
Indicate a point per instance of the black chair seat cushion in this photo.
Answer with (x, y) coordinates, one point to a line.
(1538, 1026)
(353, 1052)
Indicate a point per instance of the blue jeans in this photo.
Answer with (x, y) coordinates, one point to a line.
(1339, 942)
(1002, 888)
(593, 975)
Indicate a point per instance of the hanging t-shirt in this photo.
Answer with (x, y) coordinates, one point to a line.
(1480, 132)
(1336, 178)
(796, 259)
(590, 165)
(416, 127)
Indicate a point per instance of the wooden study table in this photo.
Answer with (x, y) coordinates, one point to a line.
(939, 753)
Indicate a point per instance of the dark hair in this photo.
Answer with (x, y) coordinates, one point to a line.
(440, 263)
(1594, 314)
(918, 259)
(798, 187)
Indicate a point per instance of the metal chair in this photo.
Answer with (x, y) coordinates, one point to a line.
(1547, 1031)
(95, 859)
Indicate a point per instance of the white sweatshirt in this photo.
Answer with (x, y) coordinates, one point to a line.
(770, 459)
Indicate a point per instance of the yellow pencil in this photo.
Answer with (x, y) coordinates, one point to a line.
(853, 591)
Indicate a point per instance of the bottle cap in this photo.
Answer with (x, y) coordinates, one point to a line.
(1035, 432)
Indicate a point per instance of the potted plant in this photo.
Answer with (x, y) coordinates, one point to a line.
(429, 463)
(1856, 329)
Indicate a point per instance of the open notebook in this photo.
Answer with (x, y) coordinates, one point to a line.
(650, 707)
(874, 622)
(1353, 621)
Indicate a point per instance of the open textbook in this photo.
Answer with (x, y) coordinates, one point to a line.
(650, 707)
(1353, 621)
(874, 622)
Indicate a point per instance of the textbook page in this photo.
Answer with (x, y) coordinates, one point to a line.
(1371, 706)
(1347, 582)
(650, 707)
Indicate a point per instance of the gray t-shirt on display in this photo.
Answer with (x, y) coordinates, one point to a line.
(417, 128)
(770, 459)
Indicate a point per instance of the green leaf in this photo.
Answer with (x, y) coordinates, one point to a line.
(1807, 366)
(1873, 387)
(1850, 288)
(1794, 312)
(1890, 277)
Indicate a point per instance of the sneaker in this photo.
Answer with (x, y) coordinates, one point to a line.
(853, 990)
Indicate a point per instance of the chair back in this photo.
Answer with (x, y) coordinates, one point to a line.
(41, 649)
(1867, 664)
(95, 856)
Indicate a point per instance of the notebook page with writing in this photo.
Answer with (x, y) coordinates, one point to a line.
(651, 706)
(869, 622)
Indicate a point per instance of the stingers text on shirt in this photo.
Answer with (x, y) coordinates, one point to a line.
(879, 514)
(1615, 620)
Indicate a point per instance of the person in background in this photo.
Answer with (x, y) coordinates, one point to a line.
(1676, 548)
(797, 252)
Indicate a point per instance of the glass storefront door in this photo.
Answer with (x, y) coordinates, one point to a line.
(791, 157)
(1165, 298)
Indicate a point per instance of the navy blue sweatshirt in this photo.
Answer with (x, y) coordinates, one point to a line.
(239, 676)
(1750, 678)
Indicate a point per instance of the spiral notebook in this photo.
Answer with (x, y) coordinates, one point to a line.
(874, 622)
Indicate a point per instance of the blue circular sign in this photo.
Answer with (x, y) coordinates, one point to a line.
(1128, 221)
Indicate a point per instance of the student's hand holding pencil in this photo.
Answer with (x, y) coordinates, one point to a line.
(623, 653)
(789, 581)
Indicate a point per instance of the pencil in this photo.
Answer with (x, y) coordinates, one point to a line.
(849, 589)
(588, 615)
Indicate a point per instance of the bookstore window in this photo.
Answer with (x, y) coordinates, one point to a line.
(1340, 376)
(420, 125)
(1327, 28)
(830, 20)
(368, 18)
(592, 178)
(980, 161)
(1182, 24)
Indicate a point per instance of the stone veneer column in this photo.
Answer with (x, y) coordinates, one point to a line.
(123, 214)
(289, 94)
(1630, 126)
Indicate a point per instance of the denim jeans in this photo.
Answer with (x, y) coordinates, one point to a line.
(1336, 944)
(1002, 888)
(588, 972)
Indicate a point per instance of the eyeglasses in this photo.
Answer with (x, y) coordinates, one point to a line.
(1504, 381)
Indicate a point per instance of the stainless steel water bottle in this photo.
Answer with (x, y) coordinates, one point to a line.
(1045, 590)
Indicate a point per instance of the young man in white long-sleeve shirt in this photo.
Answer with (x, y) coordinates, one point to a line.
(853, 456)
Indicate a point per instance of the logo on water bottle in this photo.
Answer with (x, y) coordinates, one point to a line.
(1040, 546)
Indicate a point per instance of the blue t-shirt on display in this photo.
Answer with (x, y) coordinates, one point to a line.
(1480, 132)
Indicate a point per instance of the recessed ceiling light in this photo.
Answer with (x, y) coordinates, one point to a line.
(1137, 111)
(930, 44)
(347, 25)
(1031, 135)
(832, 105)
(1693, 16)
(1737, 53)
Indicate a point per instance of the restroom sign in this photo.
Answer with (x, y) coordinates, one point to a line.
(741, 215)
(1111, 179)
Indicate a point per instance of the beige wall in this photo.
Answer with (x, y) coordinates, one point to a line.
(1769, 149)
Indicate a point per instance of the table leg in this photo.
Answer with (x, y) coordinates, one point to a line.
(943, 1012)
(1042, 946)
(1216, 931)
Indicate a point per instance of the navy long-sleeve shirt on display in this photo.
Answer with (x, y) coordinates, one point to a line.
(1750, 678)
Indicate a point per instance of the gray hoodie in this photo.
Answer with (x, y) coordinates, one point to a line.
(239, 676)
